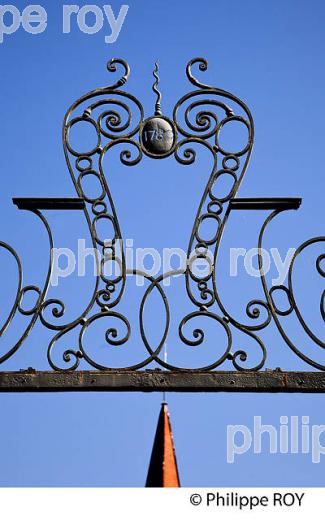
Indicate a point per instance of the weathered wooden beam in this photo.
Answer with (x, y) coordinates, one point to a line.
(270, 381)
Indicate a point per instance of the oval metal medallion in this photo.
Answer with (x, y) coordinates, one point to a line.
(158, 136)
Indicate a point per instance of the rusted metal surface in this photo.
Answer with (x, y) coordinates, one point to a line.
(270, 381)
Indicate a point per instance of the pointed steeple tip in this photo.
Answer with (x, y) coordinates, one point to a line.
(163, 470)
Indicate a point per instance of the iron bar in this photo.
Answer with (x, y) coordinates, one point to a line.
(49, 203)
(270, 381)
(265, 203)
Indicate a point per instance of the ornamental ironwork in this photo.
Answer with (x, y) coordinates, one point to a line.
(198, 118)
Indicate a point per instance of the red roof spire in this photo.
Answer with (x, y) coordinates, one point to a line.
(163, 470)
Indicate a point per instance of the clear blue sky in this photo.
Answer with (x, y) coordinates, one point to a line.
(271, 54)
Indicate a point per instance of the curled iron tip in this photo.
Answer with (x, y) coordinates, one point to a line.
(155, 89)
(111, 67)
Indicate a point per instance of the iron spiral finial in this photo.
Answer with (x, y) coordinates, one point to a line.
(155, 89)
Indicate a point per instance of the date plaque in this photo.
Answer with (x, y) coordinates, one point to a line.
(158, 136)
